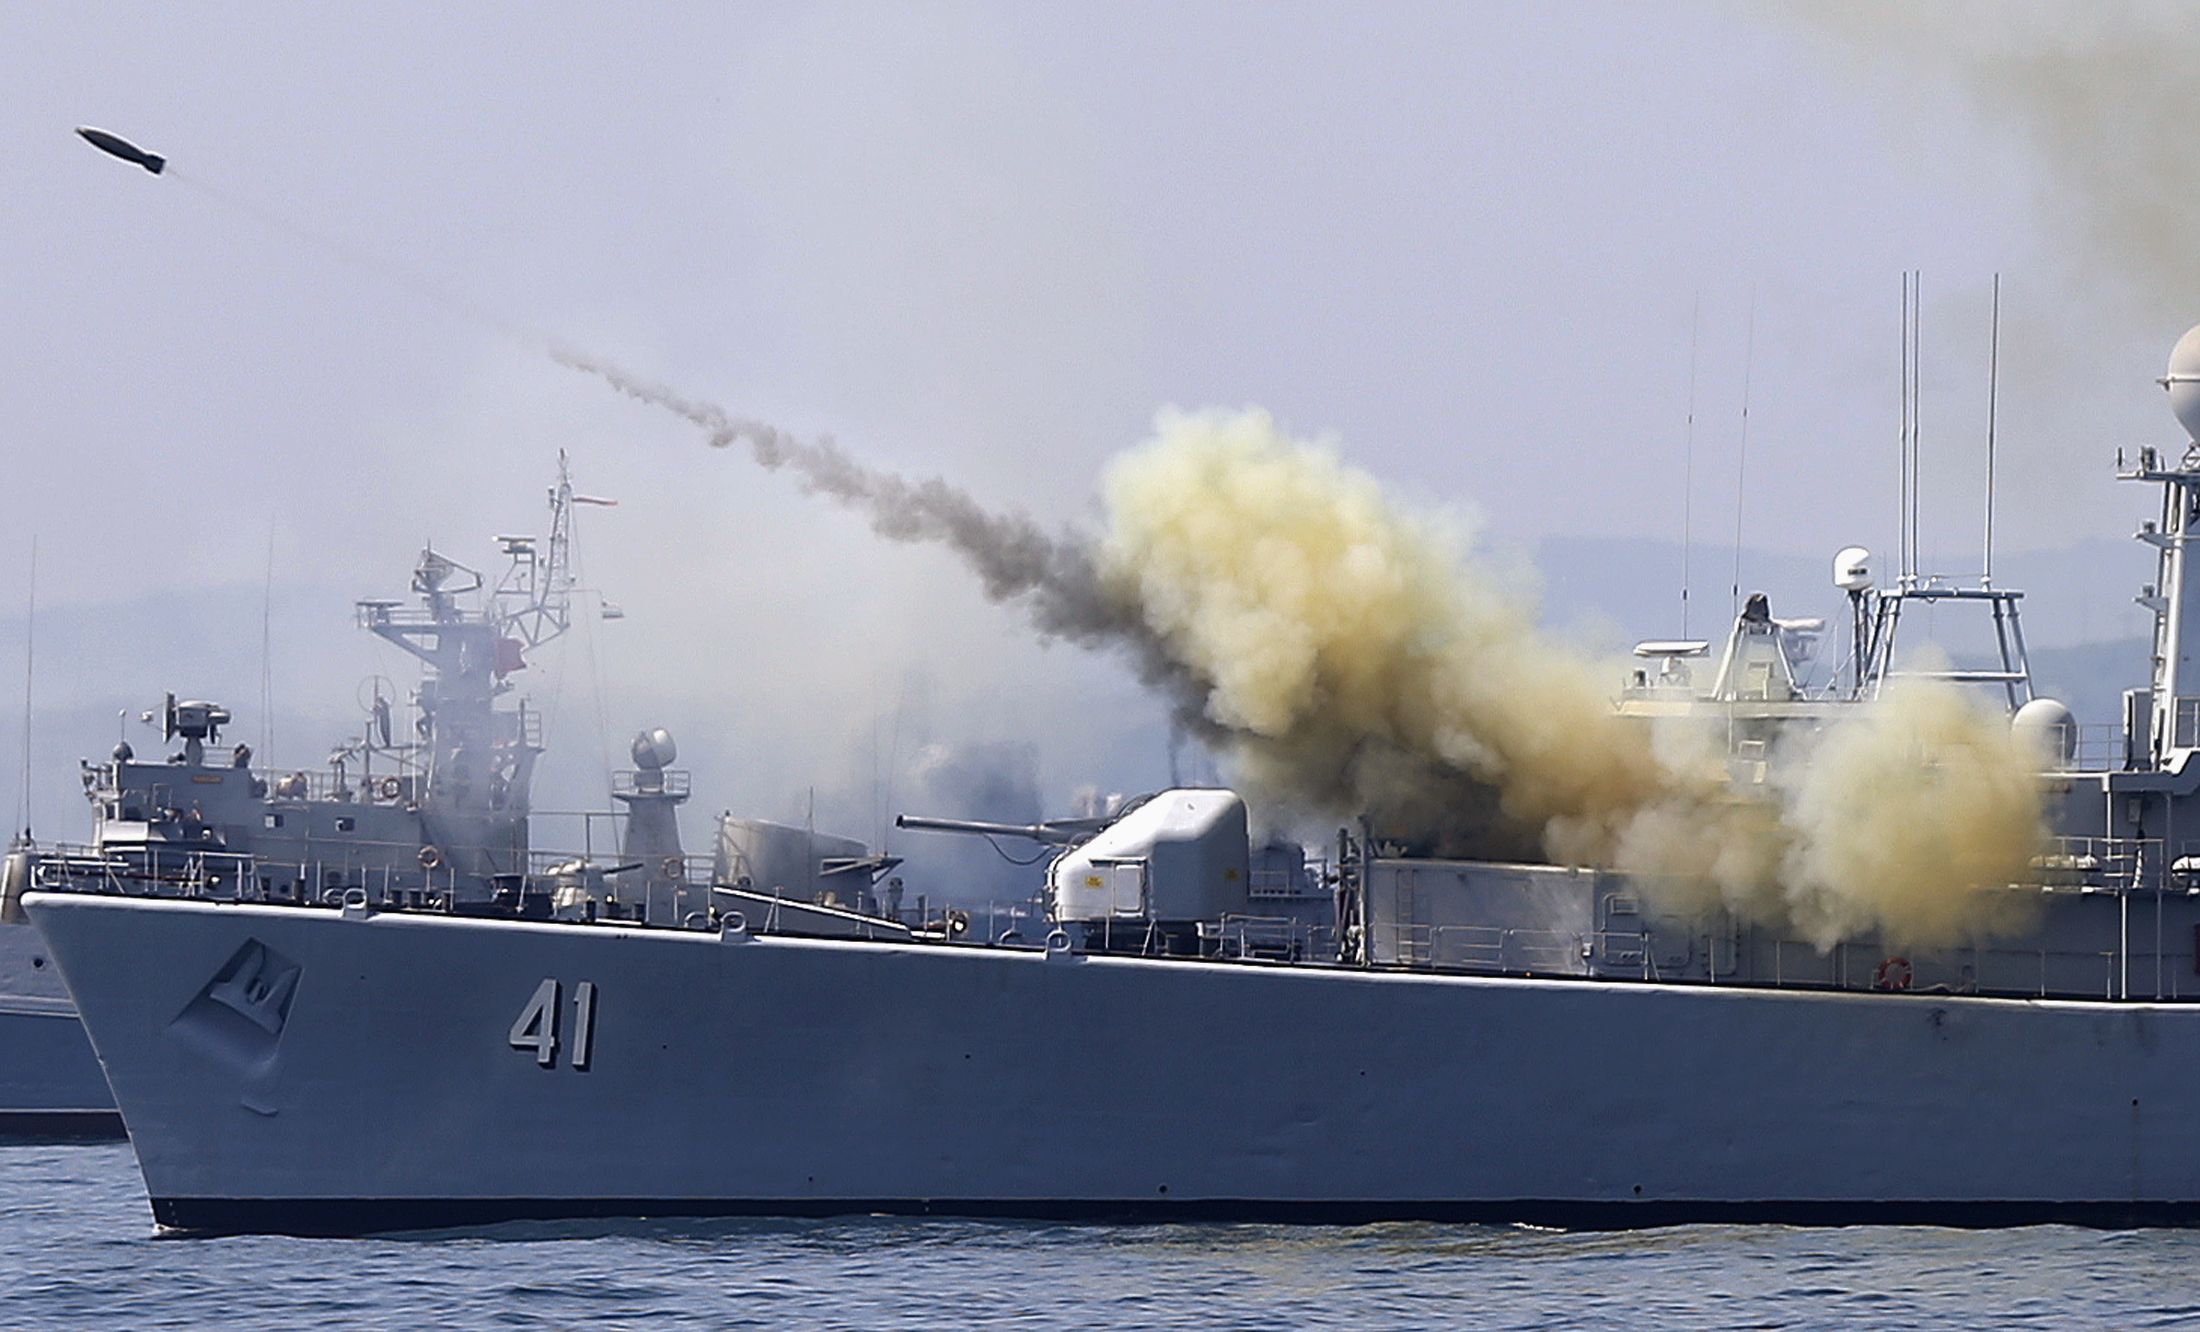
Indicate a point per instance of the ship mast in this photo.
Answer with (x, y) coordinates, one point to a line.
(2163, 729)
(533, 601)
(471, 769)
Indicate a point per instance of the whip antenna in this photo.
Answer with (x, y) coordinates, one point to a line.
(1993, 397)
(1688, 458)
(1741, 463)
(30, 657)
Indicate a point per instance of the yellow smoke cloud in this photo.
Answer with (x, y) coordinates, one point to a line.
(1350, 656)
(1356, 655)
(1914, 817)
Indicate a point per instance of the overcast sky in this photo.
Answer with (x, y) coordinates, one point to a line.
(1471, 241)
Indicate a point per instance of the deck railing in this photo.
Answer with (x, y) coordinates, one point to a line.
(2136, 971)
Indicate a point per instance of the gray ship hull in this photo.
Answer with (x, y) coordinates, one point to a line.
(295, 1070)
(50, 1082)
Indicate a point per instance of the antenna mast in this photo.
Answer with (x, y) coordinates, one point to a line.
(1917, 413)
(267, 651)
(1908, 556)
(1993, 398)
(1741, 464)
(1902, 451)
(1688, 459)
(533, 599)
(30, 645)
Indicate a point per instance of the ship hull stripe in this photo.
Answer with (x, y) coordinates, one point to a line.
(60, 1125)
(363, 1216)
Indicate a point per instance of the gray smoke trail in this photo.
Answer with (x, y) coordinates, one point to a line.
(1350, 656)
(2102, 94)
(1314, 755)
(1054, 576)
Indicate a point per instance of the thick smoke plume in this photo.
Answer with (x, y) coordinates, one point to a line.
(1915, 816)
(2103, 94)
(1353, 655)
(1358, 656)
(1349, 655)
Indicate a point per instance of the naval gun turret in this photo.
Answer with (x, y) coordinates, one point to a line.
(1145, 881)
(759, 860)
(1055, 832)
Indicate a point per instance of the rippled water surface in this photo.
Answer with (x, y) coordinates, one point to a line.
(79, 1251)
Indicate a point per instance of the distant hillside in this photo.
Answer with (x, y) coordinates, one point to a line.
(95, 661)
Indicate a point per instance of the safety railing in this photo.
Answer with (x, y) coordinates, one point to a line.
(1282, 938)
(2036, 972)
(2091, 747)
(1286, 885)
(1497, 948)
(177, 873)
(278, 785)
(403, 877)
(683, 868)
(392, 872)
(367, 787)
(650, 782)
(2140, 970)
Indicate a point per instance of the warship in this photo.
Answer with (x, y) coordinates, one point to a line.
(429, 806)
(51, 1086)
(1450, 1038)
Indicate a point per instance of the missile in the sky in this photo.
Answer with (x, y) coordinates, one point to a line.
(117, 146)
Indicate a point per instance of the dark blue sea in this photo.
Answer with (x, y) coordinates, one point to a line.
(78, 1250)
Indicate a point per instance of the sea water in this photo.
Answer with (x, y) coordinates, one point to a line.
(78, 1249)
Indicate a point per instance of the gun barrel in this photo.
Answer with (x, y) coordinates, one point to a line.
(1037, 832)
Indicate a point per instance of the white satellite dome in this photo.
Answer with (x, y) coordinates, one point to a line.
(2183, 381)
(2048, 725)
(1852, 569)
(654, 749)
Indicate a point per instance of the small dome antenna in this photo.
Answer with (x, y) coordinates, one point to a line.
(2182, 379)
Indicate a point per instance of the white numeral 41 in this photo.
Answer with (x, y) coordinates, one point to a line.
(537, 1026)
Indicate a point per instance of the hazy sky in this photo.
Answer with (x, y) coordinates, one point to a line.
(1469, 240)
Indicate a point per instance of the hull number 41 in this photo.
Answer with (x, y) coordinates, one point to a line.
(537, 1027)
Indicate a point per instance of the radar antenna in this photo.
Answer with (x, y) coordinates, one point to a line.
(533, 601)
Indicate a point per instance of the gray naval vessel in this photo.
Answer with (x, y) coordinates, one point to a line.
(1457, 1039)
(429, 806)
(201, 818)
(51, 1086)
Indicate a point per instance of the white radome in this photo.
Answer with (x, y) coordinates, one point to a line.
(1852, 569)
(2183, 381)
(2048, 724)
(654, 749)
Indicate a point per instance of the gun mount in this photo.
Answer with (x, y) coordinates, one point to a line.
(1054, 832)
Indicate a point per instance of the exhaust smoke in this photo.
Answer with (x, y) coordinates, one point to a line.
(1013, 557)
(1346, 654)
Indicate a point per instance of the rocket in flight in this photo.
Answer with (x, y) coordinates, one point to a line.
(116, 146)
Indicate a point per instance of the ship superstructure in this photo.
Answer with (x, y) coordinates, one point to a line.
(1462, 1038)
(428, 807)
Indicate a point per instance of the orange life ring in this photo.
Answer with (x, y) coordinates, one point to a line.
(1893, 974)
(430, 858)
